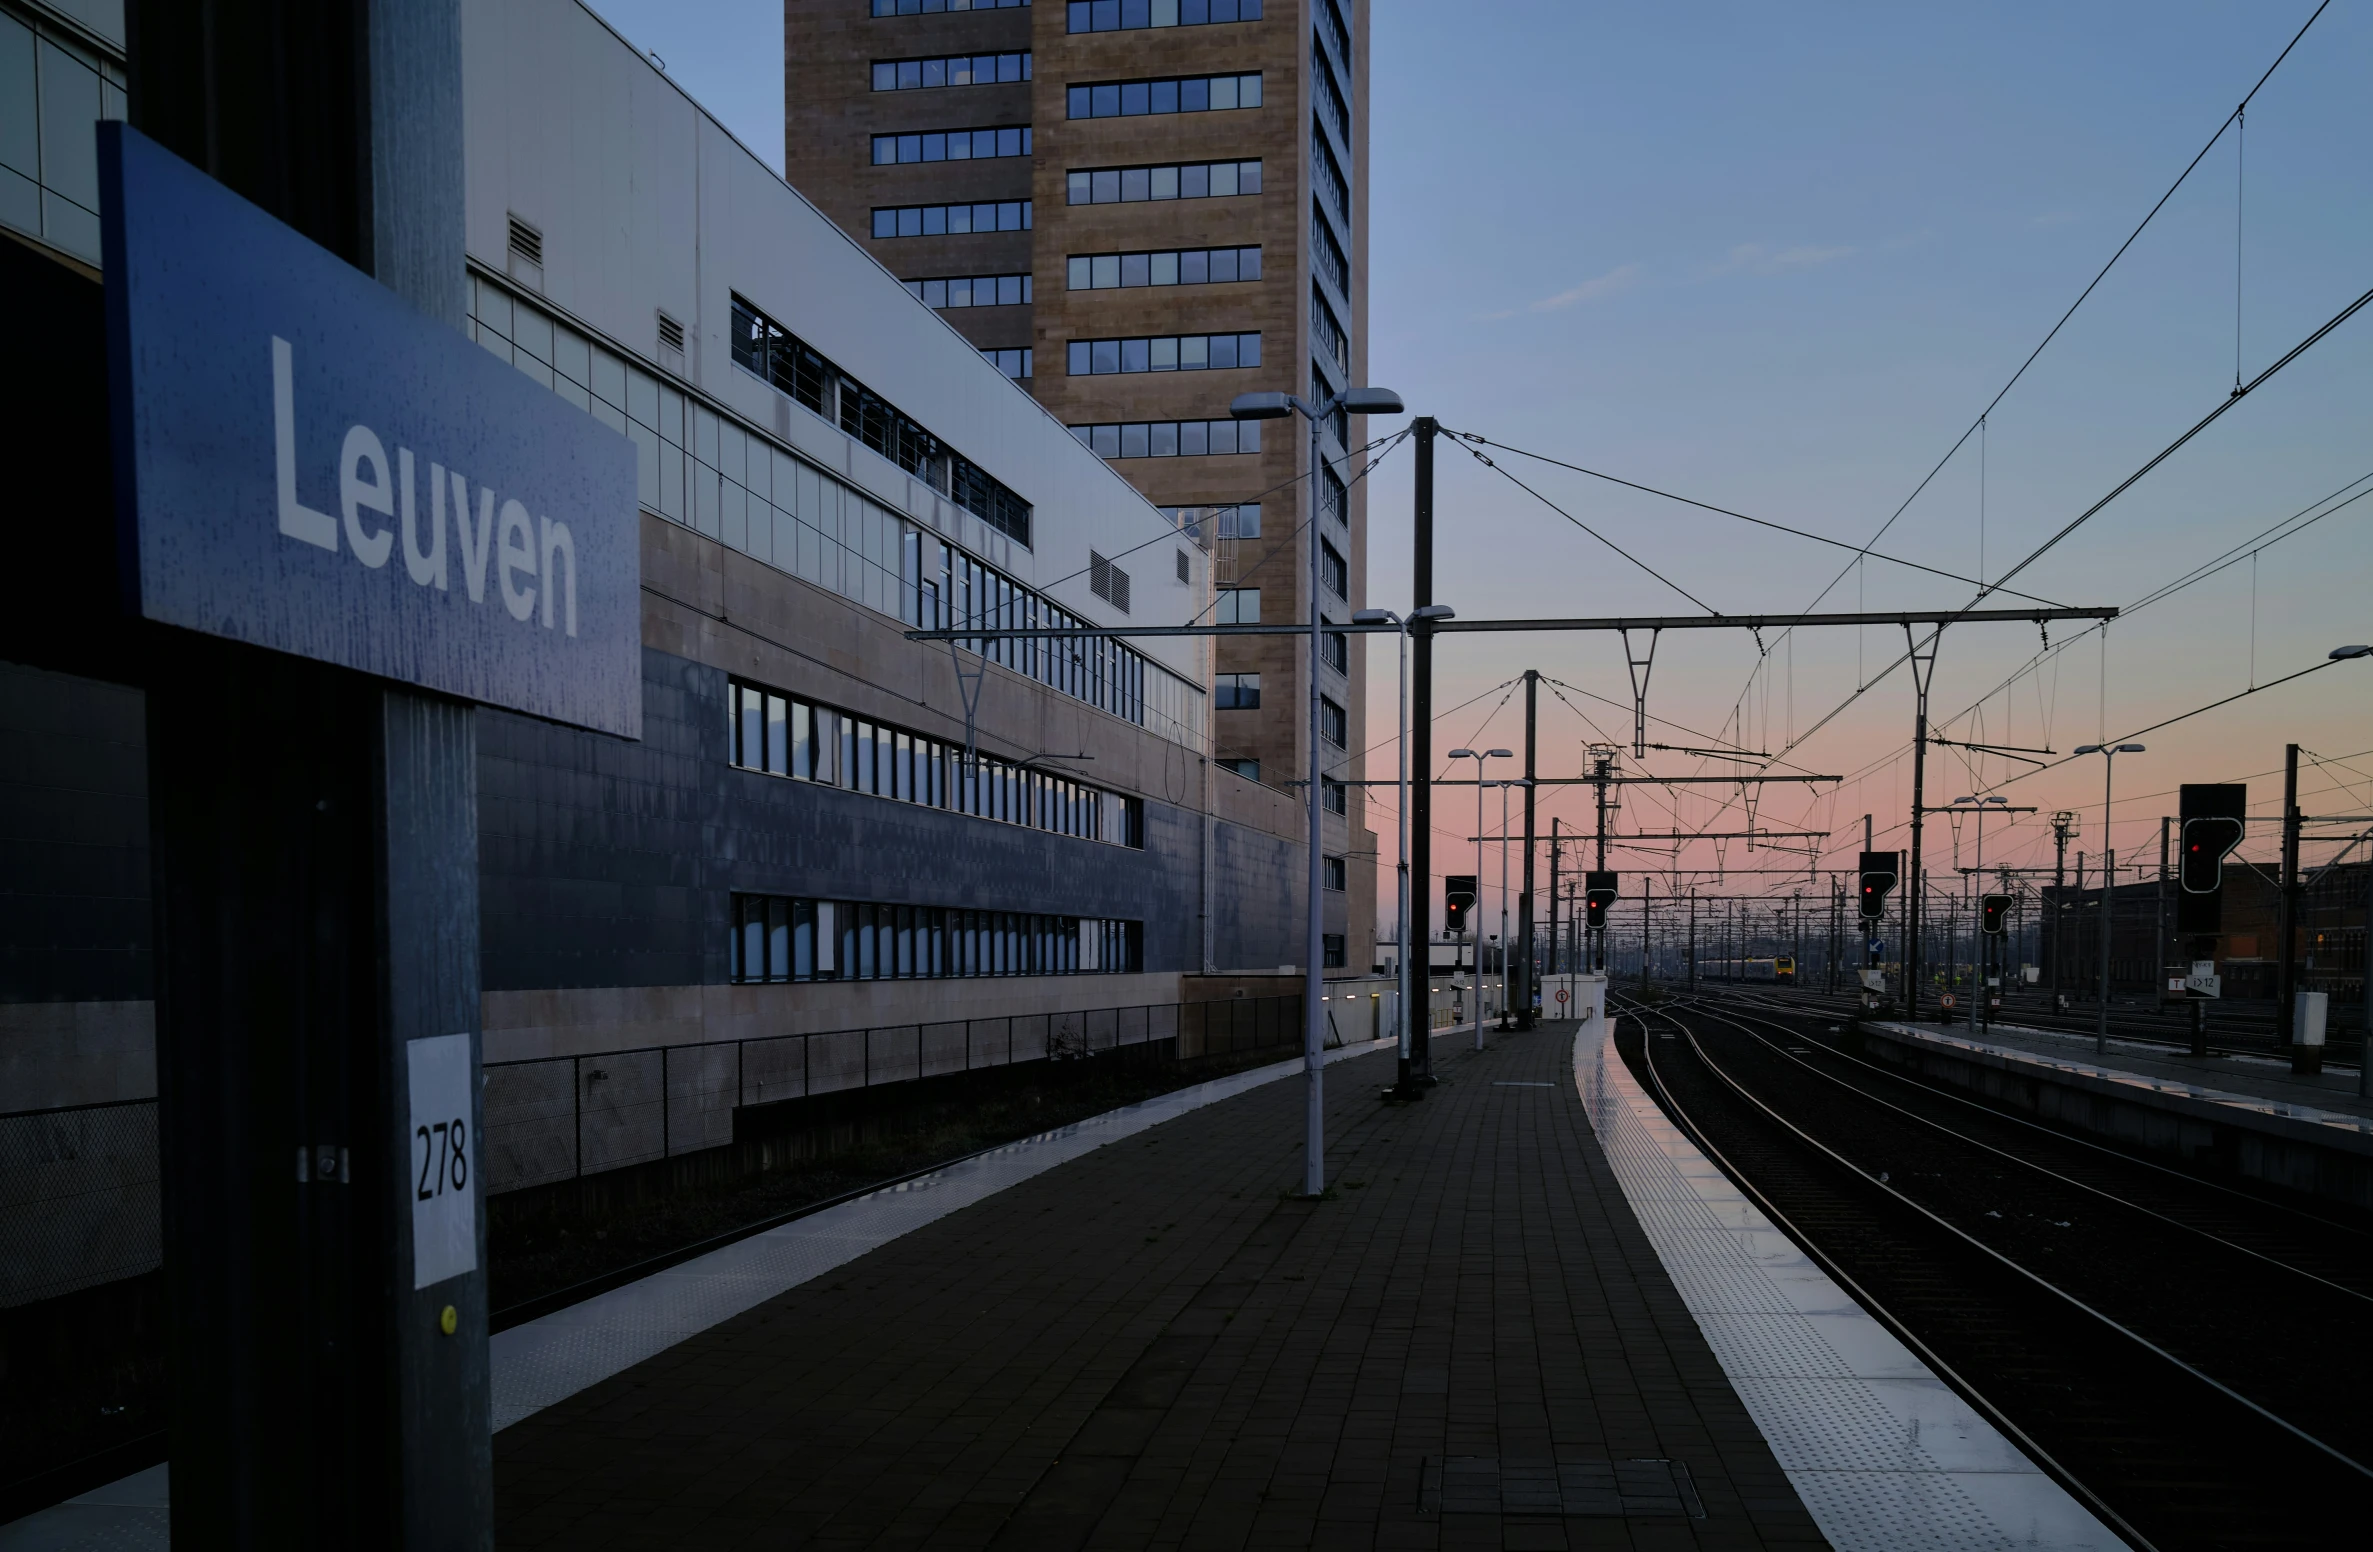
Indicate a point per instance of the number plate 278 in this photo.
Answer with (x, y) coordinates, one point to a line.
(444, 1173)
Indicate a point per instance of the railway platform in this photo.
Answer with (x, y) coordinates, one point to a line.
(2249, 1076)
(1528, 1315)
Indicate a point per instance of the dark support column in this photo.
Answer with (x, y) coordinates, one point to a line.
(1421, 754)
(2286, 981)
(1522, 988)
(315, 859)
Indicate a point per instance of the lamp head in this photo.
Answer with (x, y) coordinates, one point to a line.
(2130, 749)
(1372, 401)
(2342, 654)
(1464, 754)
(1374, 617)
(1261, 406)
(1501, 754)
(2088, 749)
(1434, 612)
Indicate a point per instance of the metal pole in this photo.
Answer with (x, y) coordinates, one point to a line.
(1914, 911)
(1479, 759)
(2159, 918)
(1507, 1016)
(1420, 805)
(2365, 1050)
(1524, 905)
(2286, 981)
(1409, 1037)
(1553, 858)
(1314, 980)
(1693, 940)
(2109, 886)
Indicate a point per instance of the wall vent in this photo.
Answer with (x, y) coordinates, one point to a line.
(527, 244)
(1186, 573)
(671, 334)
(1108, 582)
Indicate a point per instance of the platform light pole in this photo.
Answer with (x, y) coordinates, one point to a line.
(2109, 879)
(1277, 406)
(1405, 1087)
(1479, 757)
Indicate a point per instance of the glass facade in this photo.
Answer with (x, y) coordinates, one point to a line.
(787, 938)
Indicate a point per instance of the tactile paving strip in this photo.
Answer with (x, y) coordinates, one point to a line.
(1884, 1454)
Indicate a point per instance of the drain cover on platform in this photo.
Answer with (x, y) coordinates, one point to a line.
(1489, 1484)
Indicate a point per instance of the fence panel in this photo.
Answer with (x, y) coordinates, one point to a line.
(1030, 1038)
(944, 1049)
(78, 1199)
(530, 1124)
(990, 1041)
(621, 1109)
(702, 1087)
(892, 1054)
(836, 1061)
(774, 1069)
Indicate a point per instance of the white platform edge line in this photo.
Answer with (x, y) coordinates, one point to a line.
(1859, 1428)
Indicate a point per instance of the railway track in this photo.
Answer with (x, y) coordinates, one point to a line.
(2186, 1358)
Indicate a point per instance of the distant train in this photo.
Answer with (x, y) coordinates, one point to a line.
(1780, 971)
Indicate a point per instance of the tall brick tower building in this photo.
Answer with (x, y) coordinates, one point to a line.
(1140, 209)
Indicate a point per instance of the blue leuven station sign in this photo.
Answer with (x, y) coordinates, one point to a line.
(306, 462)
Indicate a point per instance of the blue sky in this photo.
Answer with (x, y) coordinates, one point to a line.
(1779, 258)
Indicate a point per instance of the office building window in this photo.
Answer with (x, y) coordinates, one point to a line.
(1334, 649)
(1250, 770)
(1205, 523)
(1175, 180)
(1171, 438)
(1335, 873)
(1333, 571)
(1009, 215)
(1330, 16)
(1013, 363)
(782, 735)
(934, 7)
(52, 90)
(1170, 267)
(1332, 725)
(1333, 499)
(951, 145)
(1327, 175)
(1334, 794)
(1237, 692)
(1238, 606)
(1331, 948)
(1326, 254)
(1127, 15)
(765, 349)
(788, 938)
(1332, 342)
(1164, 353)
(1330, 96)
(972, 291)
(906, 75)
(1170, 94)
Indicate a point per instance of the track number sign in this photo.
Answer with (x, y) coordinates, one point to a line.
(444, 1174)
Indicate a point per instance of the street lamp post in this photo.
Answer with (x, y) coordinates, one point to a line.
(1406, 1087)
(1507, 1014)
(2109, 879)
(1276, 406)
(1479, 758)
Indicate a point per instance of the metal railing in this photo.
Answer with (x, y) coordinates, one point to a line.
(559, 1118)
(78, 1198)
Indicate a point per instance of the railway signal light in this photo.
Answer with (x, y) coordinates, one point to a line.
(1997, 914)
(1458, 898)
(2214, 820)
(1598, 894)
(1879, 871)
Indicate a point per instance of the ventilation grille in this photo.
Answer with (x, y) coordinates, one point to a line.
(1108, 582)
(671, 333)
(527, 244)
(1186, 573)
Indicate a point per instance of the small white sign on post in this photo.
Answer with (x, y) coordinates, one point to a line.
(2314, 1010)
(444, 1174)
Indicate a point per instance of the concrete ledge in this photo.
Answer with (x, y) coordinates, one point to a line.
(2321, 1153)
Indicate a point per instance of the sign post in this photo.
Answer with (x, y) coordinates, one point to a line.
(343, 527)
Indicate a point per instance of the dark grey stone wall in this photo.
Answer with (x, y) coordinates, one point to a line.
(1258, 886)
(610, 863)
(74, 905)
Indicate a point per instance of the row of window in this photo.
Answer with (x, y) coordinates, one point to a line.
(1008, 215)
(1237, 606)
(1171, 438)
(1330, 17)
(972, 291)
(906, 75)
(951, 145)
(1326, 254)
(1326, 331)
(1242, 692)
(934, 7)
(765, 348)
(1324, 172)
(782, 938)
(1184, 180)
(1241, 521)
(1332, 570)
(945, 588)
(1164, 353)
(780, 735)
(1128, 15)
(1167, 267)
(1330, 96)
(1015, 364)
(1333, 498)
(1170, 94)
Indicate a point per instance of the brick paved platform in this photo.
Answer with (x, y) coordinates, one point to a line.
(1473, 1345)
